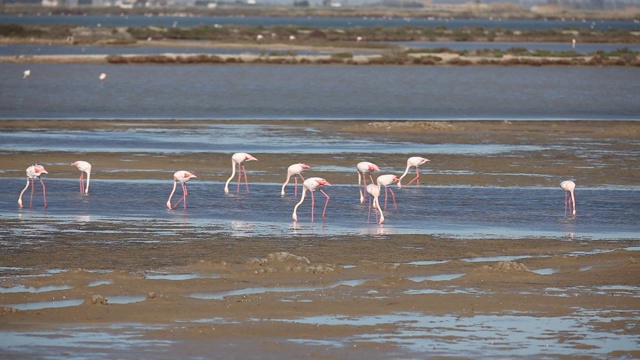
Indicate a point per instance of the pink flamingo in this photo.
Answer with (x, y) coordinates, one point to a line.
(238, 158)
(386, 180)
(414, 161)
(294, 170)
(312, 184)
(569, 196)
(182, 177)
(374, 191)
(365, 168)
(84, 167)
(33, 172)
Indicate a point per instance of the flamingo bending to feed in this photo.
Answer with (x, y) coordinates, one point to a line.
(386, 180)
(294, 170)
(374, 191)
(84, 167)
(239, 159)
(33, 172)
(414, 161)
(365, 168)
(569, 196)
(312, 184)
(180, 177)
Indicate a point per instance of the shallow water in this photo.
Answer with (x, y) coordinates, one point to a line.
(458, 211)
(337, 92)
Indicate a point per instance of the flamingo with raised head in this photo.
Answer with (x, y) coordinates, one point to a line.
(312, 184)
(33, 172)
(414, 161)
(386, 181)
(365, 168)
(374, 191)
(294, 170)
(84, 167)
(569, 196)
(238, 159)
(180, 177)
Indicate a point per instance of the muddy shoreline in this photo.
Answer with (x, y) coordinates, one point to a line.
(151, 289)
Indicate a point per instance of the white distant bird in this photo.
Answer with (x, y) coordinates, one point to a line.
(180, 177)
(312, 184)
(365, 168)
(102, 77)
(374, 191)
(259, 37)
(292, 37)
(569, 196)
(414, 161)
(26, 74)
(33, 172)
(294, 170)
(84, 167)
(238, 159)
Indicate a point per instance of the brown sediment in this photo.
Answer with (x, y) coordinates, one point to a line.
(262, 323)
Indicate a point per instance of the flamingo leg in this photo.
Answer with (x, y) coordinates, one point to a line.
(416, 179)
(44, 193)
(245, 178)
(295, 191)
(240, 168)
(325, 204)
(184, 194)
(393, 196)
(81, 183)
(313, 204)
(33, 185)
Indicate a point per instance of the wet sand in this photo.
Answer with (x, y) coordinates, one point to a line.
(329, 296)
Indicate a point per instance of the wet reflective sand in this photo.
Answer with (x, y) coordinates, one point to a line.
(480, 261)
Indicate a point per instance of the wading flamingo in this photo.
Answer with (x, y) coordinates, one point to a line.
(414, 161)
(294, 170)
(374, 191)
(33, 172)
(26, 74)
(386, 181)
(102, 77)
(569, 196)
(180, 177)
(84, 167)
(238, 158)
(312, 184)
(365, 168)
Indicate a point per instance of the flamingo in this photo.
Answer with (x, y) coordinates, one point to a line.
(180, 177)
(102, 77)
(569, 196)
(414, 161)
(238, 158)
(386, 180)
(26, 74)
(294, 170)
(33, 172)
(84, 167)
(374, 191)
(312, 184)
(364, 168)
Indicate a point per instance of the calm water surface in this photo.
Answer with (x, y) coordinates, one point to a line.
(324, 22)
(56, 91)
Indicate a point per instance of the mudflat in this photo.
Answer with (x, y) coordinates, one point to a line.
(144, 290)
